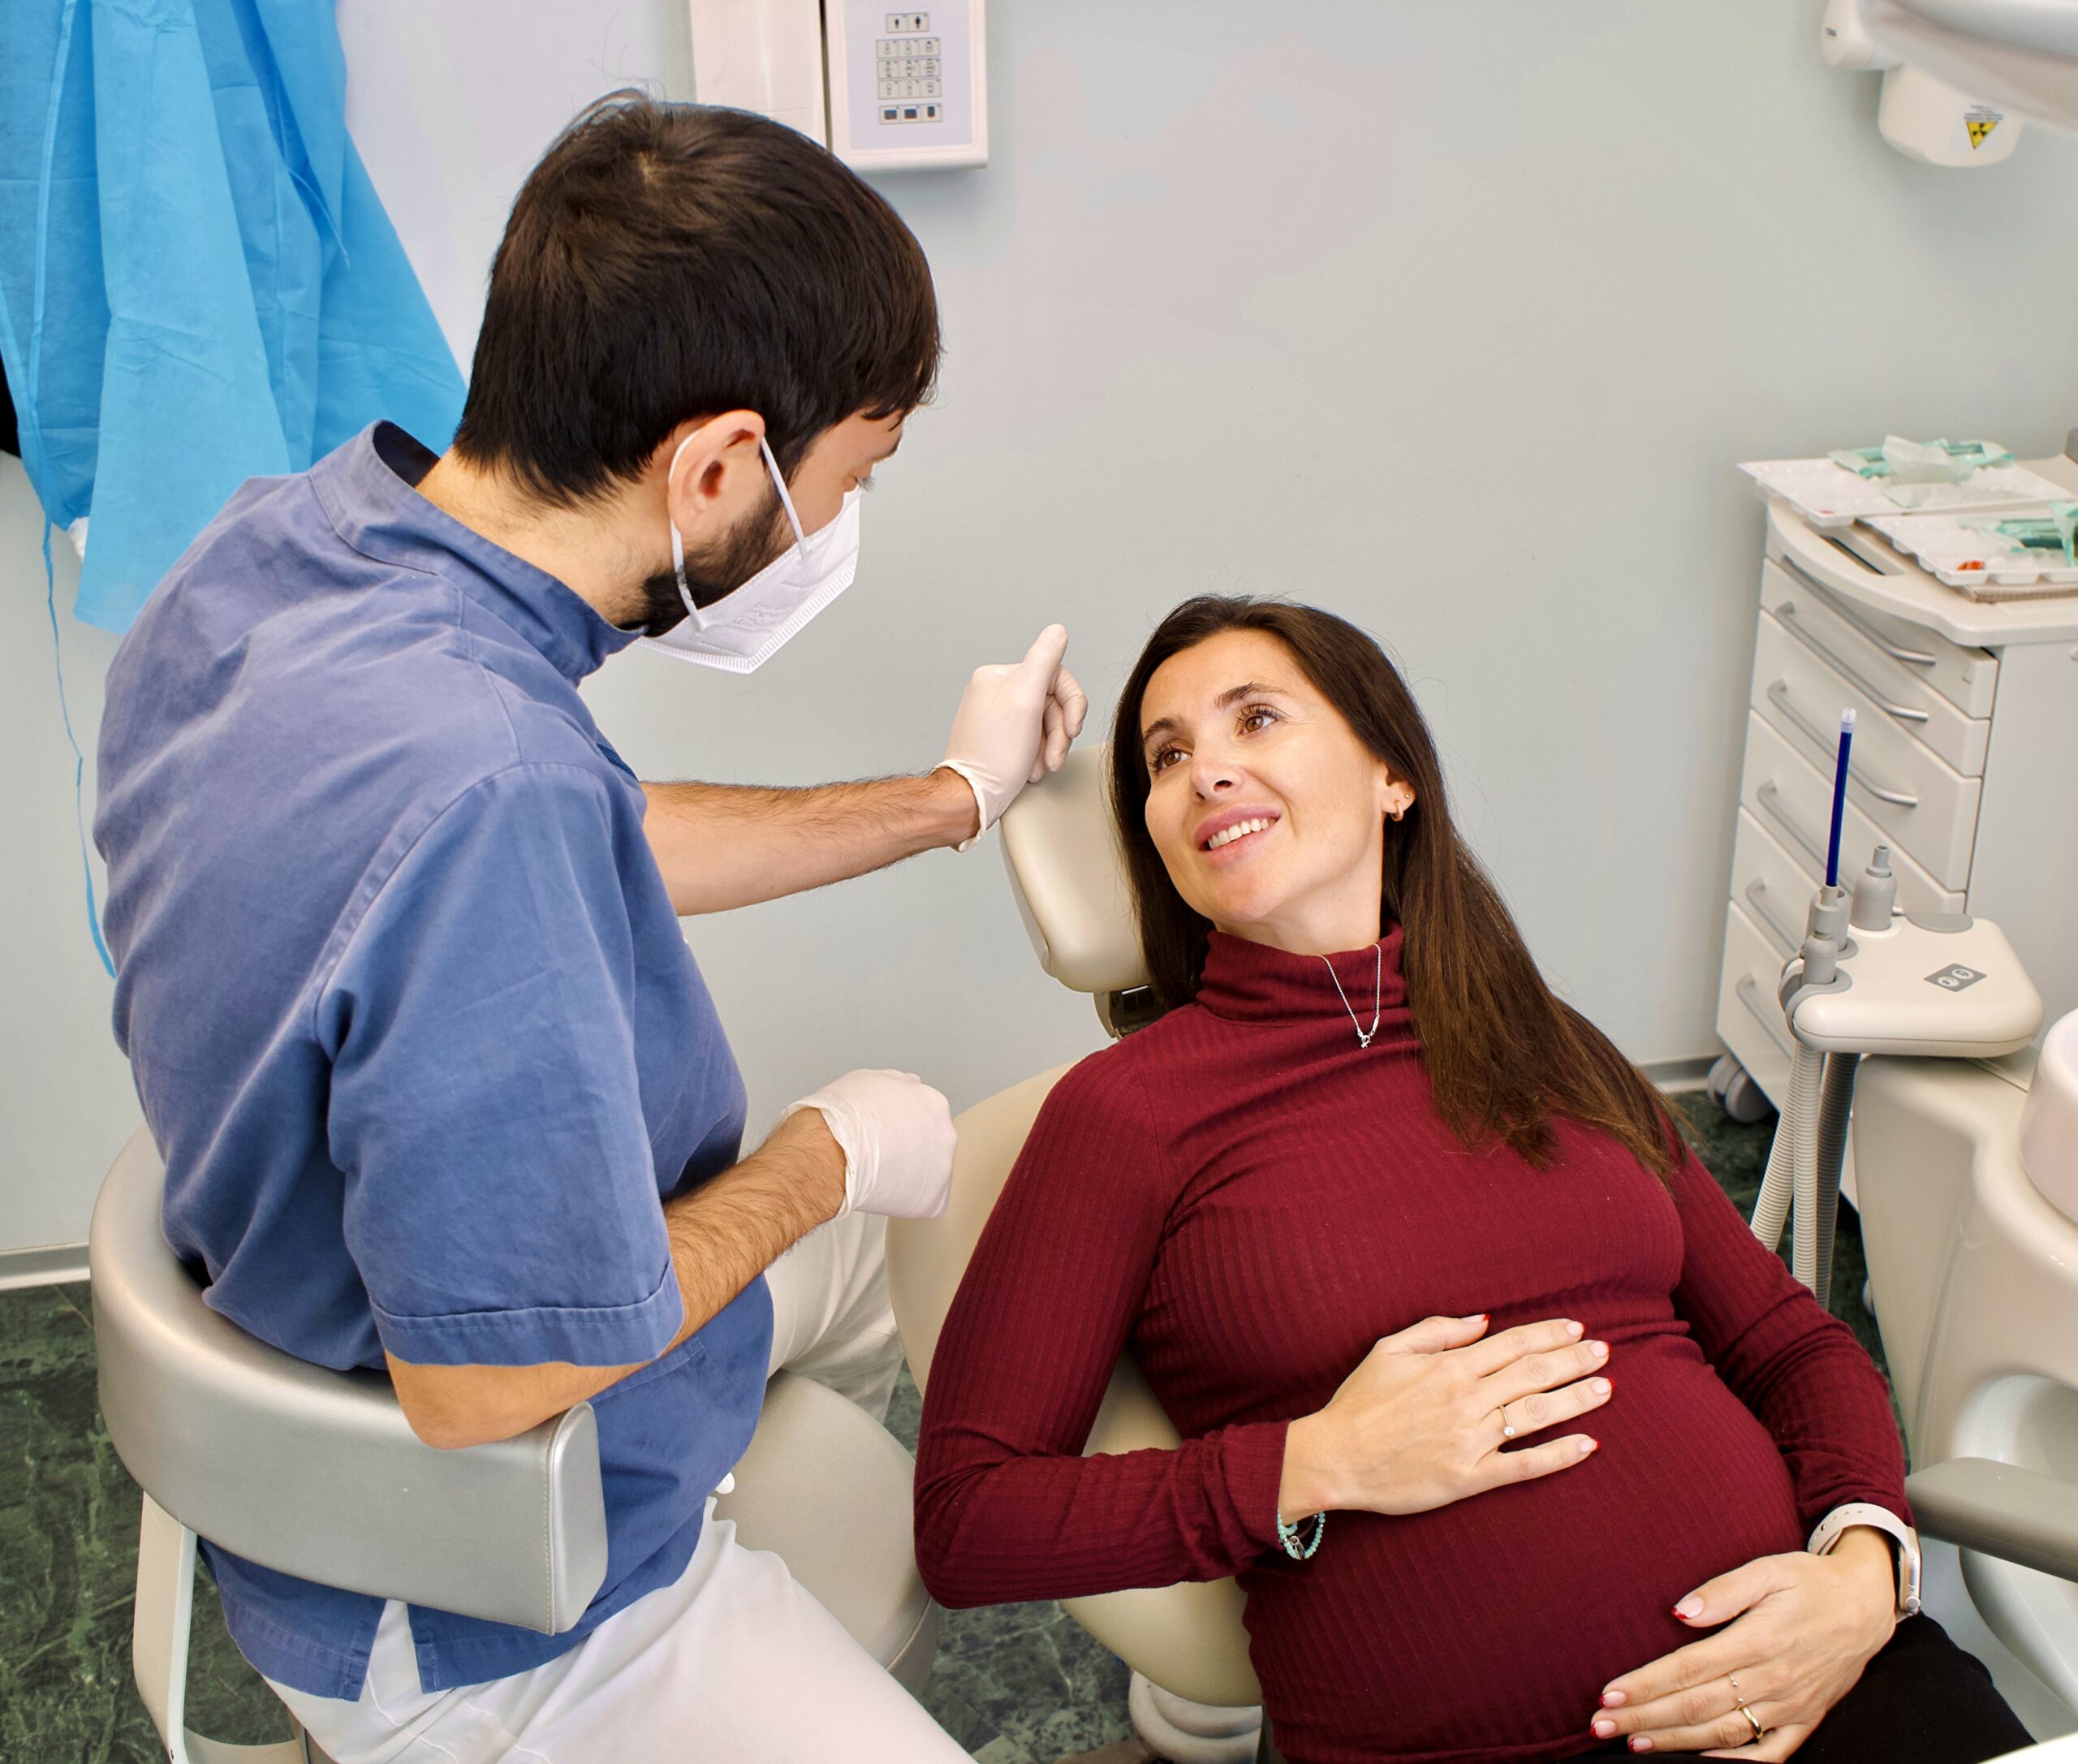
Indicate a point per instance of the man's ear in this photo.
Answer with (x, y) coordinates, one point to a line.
(708, 466)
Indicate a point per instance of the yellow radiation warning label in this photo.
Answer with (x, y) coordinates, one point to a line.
(1981, 120)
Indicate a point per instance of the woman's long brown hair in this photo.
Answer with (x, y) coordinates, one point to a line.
(1503, 1054)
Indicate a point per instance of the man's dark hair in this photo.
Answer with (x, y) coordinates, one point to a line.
(666, 262)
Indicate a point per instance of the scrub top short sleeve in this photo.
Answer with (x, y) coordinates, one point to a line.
(501, 1193)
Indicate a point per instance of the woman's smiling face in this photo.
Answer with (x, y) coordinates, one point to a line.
(1267, 810)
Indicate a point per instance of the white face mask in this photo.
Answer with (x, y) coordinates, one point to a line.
(744, 629)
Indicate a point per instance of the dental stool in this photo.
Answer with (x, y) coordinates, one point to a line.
(1966, 1179)
(1194, 1694)
(315, 1474)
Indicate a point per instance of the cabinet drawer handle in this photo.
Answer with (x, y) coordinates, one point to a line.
(1756, 891)
(1917, 657)
(1778, 697)
(1748, 989)
(1769, 798)
(1785, 615)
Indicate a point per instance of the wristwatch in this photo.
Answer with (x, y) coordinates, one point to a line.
(1904, 1544)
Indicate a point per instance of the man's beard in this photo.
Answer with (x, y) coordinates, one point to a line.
(716, 574)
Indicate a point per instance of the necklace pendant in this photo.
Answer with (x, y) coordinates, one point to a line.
(1363, 1036)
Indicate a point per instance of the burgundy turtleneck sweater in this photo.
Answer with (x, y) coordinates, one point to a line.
(1248, 1200)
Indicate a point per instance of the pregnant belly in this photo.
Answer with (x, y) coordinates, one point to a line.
(1487, 1629)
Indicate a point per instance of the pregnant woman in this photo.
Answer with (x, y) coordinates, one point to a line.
(1648, 1496)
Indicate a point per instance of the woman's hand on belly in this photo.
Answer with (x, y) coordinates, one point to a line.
(1421, 1422)
(1798, 1630)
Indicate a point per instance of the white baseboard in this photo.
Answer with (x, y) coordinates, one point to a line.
(48, 1265)
(1679, 1074)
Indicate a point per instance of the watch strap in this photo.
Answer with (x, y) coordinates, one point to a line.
(1903, 1539)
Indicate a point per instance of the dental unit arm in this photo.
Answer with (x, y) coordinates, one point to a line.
(1867, 981)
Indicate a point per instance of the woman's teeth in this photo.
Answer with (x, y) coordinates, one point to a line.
(1240, 830)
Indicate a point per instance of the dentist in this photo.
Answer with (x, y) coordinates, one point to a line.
(437, 1084)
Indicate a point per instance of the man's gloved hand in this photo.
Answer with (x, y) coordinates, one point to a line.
(1014, 726)
(896, 1135)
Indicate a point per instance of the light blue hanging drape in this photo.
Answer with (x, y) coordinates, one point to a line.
(198, 282)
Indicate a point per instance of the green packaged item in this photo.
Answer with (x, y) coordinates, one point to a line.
(1921, 462)
(2054, 532)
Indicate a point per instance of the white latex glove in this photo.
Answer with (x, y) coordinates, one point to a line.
(1014, 726)
(897, 1137)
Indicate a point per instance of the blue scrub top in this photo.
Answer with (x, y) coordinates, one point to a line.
(409, 1010)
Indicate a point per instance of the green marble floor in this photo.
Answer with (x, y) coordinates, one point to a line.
(1015, 1684)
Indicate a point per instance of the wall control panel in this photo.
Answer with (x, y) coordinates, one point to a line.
(911, 71)
(908, 90)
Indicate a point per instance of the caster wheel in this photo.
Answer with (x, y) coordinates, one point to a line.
(1737, 1095)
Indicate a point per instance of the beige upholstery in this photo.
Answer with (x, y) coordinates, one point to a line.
(1062, 856)
(827, 1490)
(1188, 1638)
(1065, 872)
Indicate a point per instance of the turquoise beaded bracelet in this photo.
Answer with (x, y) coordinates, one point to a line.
(1288, 1536)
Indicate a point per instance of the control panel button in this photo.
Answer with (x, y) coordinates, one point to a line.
(909, 82)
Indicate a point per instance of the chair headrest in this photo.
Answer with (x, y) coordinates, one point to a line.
(1069, 880)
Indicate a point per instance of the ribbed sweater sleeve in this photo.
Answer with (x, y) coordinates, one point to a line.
(1801, 1371)
(1006, 1508)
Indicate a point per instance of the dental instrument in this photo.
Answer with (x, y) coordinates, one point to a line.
(1868, 981)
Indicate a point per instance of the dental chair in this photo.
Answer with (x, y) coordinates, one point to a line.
(1969, 1216)
(1194, 1696)
(315, 1474)
(1967, 1175)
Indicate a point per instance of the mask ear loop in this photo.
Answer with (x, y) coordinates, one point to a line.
(678, 540)
(786, 501)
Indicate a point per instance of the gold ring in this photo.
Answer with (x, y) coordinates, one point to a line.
(1739, 1702)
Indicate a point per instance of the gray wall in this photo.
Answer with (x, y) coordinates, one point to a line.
(65, 1104)
(1453, 318)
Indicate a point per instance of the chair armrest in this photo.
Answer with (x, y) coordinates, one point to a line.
(2001, 1510)
(315, 1472)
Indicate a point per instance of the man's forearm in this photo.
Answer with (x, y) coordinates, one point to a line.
(722, 1236)
(729, 845)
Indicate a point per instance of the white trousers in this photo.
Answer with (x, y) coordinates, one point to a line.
(735, 1662)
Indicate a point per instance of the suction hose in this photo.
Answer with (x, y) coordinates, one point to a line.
(1778, 1185)
(1803, 1179)
(1835, 1105)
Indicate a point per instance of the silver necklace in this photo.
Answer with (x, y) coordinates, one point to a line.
(1363, 1036)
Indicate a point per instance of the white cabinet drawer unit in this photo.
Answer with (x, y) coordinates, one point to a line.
(1965, 764)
